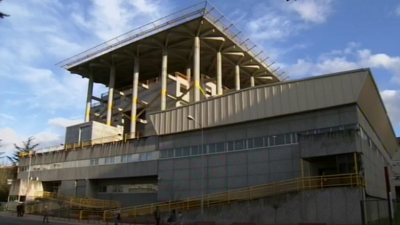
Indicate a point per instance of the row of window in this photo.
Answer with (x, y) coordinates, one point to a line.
(146, 156)
(259, 142)
(135, 188)
(372, 145)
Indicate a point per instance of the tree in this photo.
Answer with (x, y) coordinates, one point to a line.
(2, 15)
(27, 146)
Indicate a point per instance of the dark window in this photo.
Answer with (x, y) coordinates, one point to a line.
(170, 153)
(288, 138)
(182, 88)
(239, 145)
(211, 148)
(220, 147)
(102, 189)
(231, 146)
(163, 154)
(186, 151)
(258, 142)
(279, 139)
(324, 130)
(195, 150)
(117, 188)
(250, 143)
(335, 128)
(178, 152)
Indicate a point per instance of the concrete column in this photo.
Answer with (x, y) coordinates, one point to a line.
(219, 73)
(252, 81)
(134, 95)
(110, 95)
(237, 77)
(196, 67)
(89, 98)
(164, 79)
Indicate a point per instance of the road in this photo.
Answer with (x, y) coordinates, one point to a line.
(8, 220)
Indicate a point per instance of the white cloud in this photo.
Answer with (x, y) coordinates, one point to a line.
(391, 98)
(351, 57)
(63, 122)
(397, 11)
(311, 10)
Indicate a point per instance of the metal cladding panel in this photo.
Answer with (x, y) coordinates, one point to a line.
(285, 98)
(377, 116)
(329, 95)
(263, 102)
(293, 97)
(319, 93)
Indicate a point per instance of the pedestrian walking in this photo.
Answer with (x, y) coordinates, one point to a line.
(157, 215)
(45, 215)
(117, 215)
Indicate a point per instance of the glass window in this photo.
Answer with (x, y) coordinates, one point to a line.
(288, 139)
(250, 143)
(230, 145)
(85, 133)
(259, 142)
(117, 188)
(178, 152)
(324, 130)
(211, 148)
(170, 153)
(102, 189)
(129, 158)
(334, 128)
(195, 150)
(239, 145)
(123, 159)
(220, 147)
(279, 139)
(110, 160)
(164, 154)
(186, 151)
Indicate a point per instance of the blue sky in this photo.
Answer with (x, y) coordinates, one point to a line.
(306, 38)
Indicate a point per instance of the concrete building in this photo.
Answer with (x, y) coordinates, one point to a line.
(201, 111)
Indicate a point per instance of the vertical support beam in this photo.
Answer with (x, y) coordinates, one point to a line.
(196, 67)
(134, 97)
(252, 81)
(164, 79)
(219, 73)
(189, 74)
(89, 98)
(237, 77)
(110, 95)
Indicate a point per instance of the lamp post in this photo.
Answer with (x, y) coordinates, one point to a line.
(202, 163)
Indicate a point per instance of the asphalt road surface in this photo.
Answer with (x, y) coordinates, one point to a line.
(6, 220)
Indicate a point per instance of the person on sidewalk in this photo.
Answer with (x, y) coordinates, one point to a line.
(117, 215)
(157, 215)
(45, 214)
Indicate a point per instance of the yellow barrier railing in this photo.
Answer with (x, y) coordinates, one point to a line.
(79, 202)
(261, 191)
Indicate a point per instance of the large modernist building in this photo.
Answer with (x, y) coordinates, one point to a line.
(193, 107)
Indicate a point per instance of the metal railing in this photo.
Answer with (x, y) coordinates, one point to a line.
(79, 202)
(90, 143)
(255, 192)
(159, 25)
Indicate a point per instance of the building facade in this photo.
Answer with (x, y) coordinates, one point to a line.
(218, 118)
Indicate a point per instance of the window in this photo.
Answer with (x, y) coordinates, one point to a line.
(220, 147)
(195, 150)
(208, 92)
(85, 133)
(94, 162)
(288, 138)
(231, 146)
(110, 160)
(279, 139)
(164, 154)
(370, 142)
(170, 153)
(102, 189)
(211, 148)
(182, 88)
(117, 189)
(126, 158)
(186, 151)
(250, 143)
(239, 145)
(178, 152)
(259, 142)
(147, 156)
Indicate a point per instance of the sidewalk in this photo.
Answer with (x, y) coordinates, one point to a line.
(53, 220)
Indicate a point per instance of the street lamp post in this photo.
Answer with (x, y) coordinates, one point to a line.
(202, 163)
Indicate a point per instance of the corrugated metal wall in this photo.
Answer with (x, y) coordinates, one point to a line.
(263, 102)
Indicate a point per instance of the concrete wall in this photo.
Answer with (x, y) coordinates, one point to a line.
(129, 199)
(330, 206)
(95, 131)
(182, 177)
